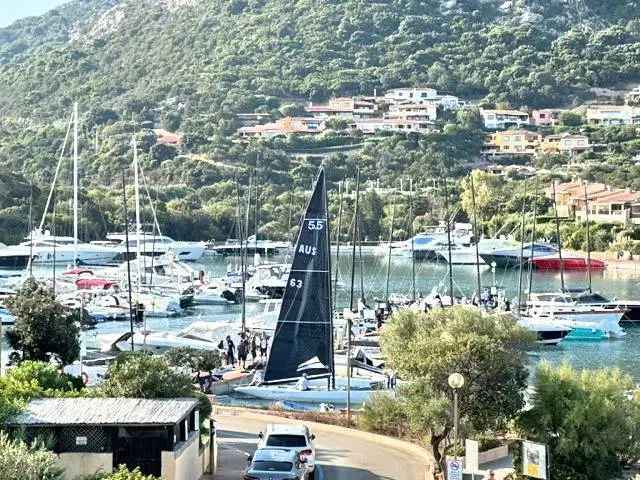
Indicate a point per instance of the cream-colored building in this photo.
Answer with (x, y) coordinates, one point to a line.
(159, 436)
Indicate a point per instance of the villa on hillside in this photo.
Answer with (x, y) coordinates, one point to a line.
(605, 204)
(403, 125)
(346, 108)
(283, 127)
(512, 142)
(525, 142)
(565, 143)
(422, 95)
(607, 115)
(502, 119)
(549, 117)
(426, 112)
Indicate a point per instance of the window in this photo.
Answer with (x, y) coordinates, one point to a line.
(270, 466)
(286, 441)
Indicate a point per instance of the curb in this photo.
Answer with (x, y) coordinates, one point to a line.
(393, 443)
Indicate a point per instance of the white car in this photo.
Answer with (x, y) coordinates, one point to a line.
(292, 437)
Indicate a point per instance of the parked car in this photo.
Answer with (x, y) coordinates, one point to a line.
(276, 464)
(292, 437)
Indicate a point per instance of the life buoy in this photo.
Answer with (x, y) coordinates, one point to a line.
(85, 378)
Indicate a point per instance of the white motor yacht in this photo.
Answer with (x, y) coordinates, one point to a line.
(154, 245)
(586, 321)
(47, 248)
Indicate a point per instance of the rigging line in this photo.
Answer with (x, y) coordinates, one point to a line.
(146, 188)
(55, 175)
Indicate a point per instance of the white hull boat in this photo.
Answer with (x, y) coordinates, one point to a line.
(307, 396)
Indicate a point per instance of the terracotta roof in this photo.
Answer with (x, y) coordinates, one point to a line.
(286, 125)
(616, 196)
(167, 138)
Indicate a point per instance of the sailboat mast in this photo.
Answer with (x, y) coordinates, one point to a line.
(30, 233)
(555, 210)
(533, 238)
(338, 232)
(448, 220)
(75, 183)
(586, 209)
(138, 226)
(244, 257)
(332, 307)
(393, 214)
(354, 240)
(126, 241)
(413, 252)
(524, 206)
(475, 234)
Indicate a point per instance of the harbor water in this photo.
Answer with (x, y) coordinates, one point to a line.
(370, 275)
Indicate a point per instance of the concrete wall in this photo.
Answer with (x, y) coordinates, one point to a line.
(79, 464)
(185, 463)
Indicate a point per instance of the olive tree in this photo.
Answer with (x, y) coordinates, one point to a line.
(589, 420)
(43, 326)
(489, 352)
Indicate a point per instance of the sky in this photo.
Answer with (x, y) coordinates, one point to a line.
(11, 10)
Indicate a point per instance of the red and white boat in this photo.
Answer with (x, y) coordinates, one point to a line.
(569, 263)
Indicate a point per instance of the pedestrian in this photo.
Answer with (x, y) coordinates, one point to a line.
(303, 383)
(254, 348)
(231, 352)
(243, 347)
(264, 344)
(492, 475)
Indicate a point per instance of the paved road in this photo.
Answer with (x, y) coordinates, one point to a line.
(342, 455)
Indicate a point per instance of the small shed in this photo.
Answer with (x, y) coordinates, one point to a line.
(159, 436)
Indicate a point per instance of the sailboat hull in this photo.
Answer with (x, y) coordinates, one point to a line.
(307, 396)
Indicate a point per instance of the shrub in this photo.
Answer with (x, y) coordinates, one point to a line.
(384, 414)
(21, 461)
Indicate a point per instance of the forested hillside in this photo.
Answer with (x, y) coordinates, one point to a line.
(191, 65)
(224, 55)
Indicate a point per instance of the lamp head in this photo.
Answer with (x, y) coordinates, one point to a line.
(456, 381)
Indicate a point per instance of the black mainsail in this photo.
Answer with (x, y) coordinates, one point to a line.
(303, 340)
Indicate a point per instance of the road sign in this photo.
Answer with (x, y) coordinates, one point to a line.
(454, 469)
(534, 460)
(471, 460)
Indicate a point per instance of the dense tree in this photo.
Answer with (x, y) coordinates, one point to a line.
(488, 350)
(139, 375)
(589, 420)
(43, 327)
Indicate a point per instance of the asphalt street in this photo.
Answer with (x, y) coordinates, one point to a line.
(341, 454)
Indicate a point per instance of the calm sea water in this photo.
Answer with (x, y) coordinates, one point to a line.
(624, 353)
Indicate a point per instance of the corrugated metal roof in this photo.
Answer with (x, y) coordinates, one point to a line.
(104, 411)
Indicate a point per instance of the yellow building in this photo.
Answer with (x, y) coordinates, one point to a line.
(512, 142)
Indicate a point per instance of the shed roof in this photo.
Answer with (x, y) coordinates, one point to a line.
(104, 411)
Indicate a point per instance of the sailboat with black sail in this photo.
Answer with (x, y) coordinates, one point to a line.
(303, 339)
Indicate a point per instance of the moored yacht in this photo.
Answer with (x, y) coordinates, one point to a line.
(153, 245)
(48, 248)
(587, 321)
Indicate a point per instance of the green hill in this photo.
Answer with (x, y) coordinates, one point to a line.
(227, 55)
(190, 65)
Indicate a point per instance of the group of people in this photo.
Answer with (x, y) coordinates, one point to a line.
(255, 345)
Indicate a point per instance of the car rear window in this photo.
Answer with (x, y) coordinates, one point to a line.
(286, 441)
(271, 466)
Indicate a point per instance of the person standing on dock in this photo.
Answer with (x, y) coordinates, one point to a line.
(254, 348)
(264, 343)
(231, 352)
(243, 350)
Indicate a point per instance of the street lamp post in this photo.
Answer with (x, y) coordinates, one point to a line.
(456, 382)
